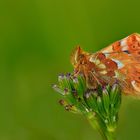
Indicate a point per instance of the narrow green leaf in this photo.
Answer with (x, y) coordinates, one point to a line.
(106, 100)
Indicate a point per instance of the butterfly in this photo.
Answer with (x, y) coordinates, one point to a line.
(120, 62)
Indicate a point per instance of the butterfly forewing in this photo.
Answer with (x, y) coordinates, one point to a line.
(126, 54)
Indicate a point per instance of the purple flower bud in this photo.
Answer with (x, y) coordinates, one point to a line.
(114, 86)
(105, 91)
(60, 77)
(75, 80)
(68, 75)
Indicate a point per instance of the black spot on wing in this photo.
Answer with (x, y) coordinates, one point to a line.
(126, 51)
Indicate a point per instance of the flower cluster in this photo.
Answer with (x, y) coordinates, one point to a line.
(100, 106)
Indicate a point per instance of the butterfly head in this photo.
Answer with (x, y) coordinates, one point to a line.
(79, 57)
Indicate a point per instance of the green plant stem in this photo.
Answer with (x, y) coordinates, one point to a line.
(106, 135)
(110, 136)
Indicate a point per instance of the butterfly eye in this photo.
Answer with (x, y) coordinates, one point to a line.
(80, 56)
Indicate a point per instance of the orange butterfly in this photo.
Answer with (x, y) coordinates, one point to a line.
(119, 61)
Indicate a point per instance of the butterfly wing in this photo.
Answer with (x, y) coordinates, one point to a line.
(126, 54)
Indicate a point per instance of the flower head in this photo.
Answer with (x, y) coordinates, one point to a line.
(100, 106)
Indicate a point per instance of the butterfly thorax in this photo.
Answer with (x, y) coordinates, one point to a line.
(96, 68)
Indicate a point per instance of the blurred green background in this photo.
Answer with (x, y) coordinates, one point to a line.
(36, 39)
